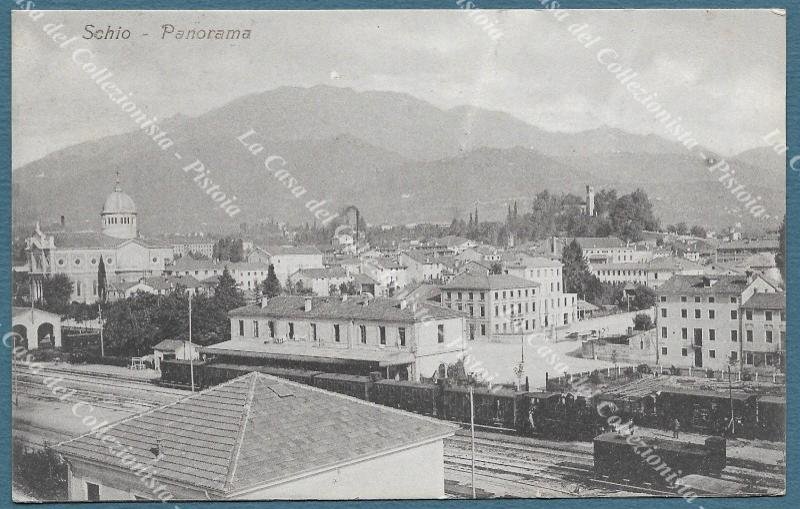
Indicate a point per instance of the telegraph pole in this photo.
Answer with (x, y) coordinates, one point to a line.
(472, 433)
(100, 317)
(191, 348)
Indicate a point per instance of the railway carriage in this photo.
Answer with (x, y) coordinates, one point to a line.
(492, 407)
(421, 398)
(706, 411)
(650, 460)
(351, 385)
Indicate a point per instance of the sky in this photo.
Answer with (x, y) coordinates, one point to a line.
(722, 71)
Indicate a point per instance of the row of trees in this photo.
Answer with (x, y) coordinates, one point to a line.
(626, 216)
(136, 324)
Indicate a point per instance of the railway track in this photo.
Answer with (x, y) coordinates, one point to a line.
(561, 463)
(98, 389)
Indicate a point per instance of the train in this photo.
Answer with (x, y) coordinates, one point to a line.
(656, 461)
(546, 414)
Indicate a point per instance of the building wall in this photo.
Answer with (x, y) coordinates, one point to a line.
(421, 338)
(758, 348)
(490, 311)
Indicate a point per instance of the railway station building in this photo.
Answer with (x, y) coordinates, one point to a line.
(357, 335)
(259, 437)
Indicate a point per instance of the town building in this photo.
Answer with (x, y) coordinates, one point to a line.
(259, 437)
(248, 275)
(652, 274)
(499, 307)
(352, 334)
(126, 256)
(174, 349)
(391, 275)
(185, 246)
(699, 321)
(764, 330)
(422, 267)
(557, 308)
(320, 281)
(736, 251)
(287, 259)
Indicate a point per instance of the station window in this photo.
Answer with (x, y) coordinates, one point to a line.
(712, 354)
(382, 331)
(336, 333)
(241, 327)
(663, 350)
(401, 332)
(363, 329)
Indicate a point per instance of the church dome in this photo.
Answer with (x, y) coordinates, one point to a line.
(119, 203)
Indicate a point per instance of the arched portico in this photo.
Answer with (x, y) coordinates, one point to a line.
(37, 327)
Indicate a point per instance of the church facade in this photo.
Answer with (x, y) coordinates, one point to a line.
(126, 256)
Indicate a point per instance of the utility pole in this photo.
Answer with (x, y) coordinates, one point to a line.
(472, 433)
(100, 317)
(730, 397)
(191, 348)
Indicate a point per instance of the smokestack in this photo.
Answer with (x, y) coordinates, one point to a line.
(63, 221)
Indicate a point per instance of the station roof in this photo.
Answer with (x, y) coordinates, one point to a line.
(354, 308)
(308, 352)
(255, 431)
(763, 300)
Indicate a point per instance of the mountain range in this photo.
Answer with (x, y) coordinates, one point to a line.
(396, 157)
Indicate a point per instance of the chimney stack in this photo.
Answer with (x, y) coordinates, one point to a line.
(403, 303)
(63, 221)
(308, 304)
(264, 301)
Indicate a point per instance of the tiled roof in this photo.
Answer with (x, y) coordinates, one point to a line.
(290, 250)
(325, 273)
(354, 308)
(97, 240)
(763, 300)
(255, 430)
(169, 345)
(750, 245)
(524, 260)
(187, 263)
(694, 285)
(598, 242)
(490, 282)
(451, 241)
(673, 263)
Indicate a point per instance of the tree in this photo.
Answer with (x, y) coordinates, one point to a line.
(21, 284)
(698, 231)
(577, 278)
(642, 321)
(348, 288)
(681, 228)
(229, 249)
(57, 293)
(227, 295)
(271, 286)
(644, 297)
(496, 268)
(102, 291)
